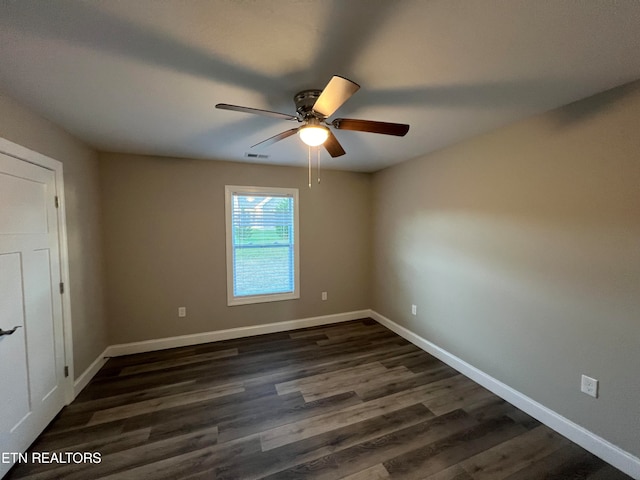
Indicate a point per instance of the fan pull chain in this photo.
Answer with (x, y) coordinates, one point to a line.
(309, 167)
(318, 150)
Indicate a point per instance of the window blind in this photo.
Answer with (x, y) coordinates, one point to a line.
(263, 244)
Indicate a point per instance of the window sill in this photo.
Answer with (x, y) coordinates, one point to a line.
(276, 297)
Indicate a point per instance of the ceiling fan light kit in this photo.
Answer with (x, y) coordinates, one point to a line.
(313, 107)
(313, 134)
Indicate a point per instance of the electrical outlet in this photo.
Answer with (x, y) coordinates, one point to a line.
(589, 386)
(182, 311)
(414, 309)
(324, 295)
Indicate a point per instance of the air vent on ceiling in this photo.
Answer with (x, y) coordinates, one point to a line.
(255, 155)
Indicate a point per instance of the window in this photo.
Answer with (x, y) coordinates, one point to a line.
(262, 244)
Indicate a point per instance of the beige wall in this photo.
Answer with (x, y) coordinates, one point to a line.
(164, 231)
(20, 125)
(521, 249)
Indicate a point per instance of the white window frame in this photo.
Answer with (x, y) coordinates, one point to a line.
(229, 190)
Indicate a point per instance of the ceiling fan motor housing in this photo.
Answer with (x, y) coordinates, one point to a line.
(305, 100)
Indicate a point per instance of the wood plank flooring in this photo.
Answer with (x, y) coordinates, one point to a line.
(347, 401)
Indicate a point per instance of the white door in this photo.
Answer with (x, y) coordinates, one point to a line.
(32, 357)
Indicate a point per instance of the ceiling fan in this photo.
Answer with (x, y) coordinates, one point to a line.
(313, 107)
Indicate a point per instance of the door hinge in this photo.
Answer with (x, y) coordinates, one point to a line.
(57, 201)
(66, 371)
(61, 288)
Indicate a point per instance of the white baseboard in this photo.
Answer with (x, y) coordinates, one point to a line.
(84, 379)
(604, 449)
(215, 336)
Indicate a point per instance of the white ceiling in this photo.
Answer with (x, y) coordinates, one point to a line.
(143, 76)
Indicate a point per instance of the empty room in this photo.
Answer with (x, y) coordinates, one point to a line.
(320, 239)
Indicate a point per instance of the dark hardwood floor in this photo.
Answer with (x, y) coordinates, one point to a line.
(351, 400)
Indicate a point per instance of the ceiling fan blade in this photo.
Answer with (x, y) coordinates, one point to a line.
(397, 129)
(337, 91)
(256, 111)
(333, 146)
(276, 138)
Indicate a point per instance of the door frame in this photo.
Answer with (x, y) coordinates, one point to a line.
(22, 153)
